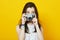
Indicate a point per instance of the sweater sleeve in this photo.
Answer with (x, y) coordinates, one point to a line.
(17, 29)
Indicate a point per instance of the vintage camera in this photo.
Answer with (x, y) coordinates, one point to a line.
(29, 17)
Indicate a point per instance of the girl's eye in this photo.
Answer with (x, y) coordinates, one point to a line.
(27, 12)
(33, 12)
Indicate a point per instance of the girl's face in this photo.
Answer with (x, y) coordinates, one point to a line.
(30, 10)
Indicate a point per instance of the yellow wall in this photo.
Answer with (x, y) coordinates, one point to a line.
(49, 15)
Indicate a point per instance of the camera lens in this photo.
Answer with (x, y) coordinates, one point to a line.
(30, 18)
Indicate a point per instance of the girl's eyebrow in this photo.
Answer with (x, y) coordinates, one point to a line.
(27, 11)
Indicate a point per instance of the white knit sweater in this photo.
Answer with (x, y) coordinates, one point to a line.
(32, 35)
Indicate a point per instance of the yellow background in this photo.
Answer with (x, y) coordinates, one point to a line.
(49, 15)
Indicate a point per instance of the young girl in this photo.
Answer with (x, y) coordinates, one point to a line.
(29, 30)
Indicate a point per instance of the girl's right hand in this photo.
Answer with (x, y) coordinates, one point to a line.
(23, 18)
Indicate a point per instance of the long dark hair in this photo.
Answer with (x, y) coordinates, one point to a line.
(30, 4)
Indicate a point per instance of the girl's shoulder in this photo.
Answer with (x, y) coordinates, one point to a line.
(17, 28)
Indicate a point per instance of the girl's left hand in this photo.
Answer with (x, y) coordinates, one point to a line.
(35, 21)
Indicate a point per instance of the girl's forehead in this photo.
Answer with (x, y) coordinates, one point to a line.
(30, 9)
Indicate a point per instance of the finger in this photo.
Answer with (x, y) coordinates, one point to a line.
(23, 14)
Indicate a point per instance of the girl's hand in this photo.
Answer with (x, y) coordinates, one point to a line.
(23, 18)
(35, 21)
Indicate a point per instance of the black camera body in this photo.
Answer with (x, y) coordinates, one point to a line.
(29, 17)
